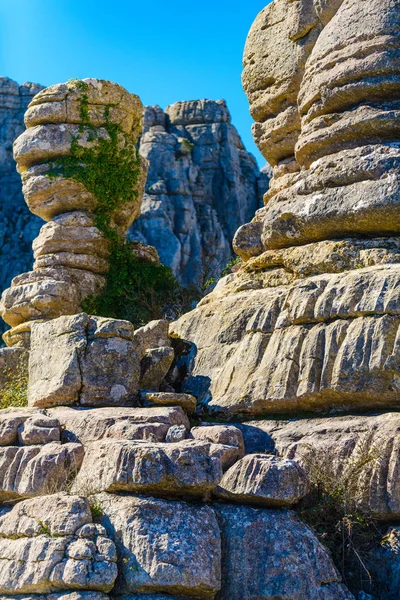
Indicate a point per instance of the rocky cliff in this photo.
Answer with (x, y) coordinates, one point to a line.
(18, 227)
(202, 185)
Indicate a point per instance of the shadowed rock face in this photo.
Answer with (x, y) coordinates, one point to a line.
(18, 227)
(310, 322)
(201, 186)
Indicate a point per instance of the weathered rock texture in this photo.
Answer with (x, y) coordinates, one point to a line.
(360, 450)
(71, 252)
(18, 227)
(271, 554)
(311, 321)
(51, 544)
(83, 360)
(202, 184)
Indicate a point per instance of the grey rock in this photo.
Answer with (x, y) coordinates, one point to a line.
(269, 342)
(154, 367)
(89, 425)
(39, 430)
(264, 480)
(151, 335)
(81, 359)
(42, 551)
(385, 563)
(163, 546)
(270, 554)
(37, 470)
(11, 419)
(175, 434)
(361, 449)
(185, 468)
(226, 442)
(202, 185)
(18, 227)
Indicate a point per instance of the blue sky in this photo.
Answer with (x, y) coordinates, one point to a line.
(164, 51)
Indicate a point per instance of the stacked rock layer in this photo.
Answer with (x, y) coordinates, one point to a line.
(71, 253)
(202, 185)
(311, 321)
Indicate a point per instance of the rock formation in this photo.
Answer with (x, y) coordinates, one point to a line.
(142, 504)
(201, 186)
(18, 227)
(311, 320)
(208, 158)
(71, 129)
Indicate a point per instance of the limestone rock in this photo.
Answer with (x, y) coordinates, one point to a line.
(154, 367)
(164, 546)
(50, 544)
(202, 185)
(271, 554)
(186, 401)
(83, 360)
(60, 596)
(328, 341)
(264, 480)
(361, 449)
(37, 470)
(151, 335)
(176, 433)
(71, 253)
(38, 430)
(326, 120)
(148, 468)
(11, 420)
(226, 442)
(18, 227)
(384, 563)
(123, 423)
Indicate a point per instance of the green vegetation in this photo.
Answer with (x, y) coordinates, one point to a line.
(15, 392)
(225, 271)
(110, 170)
(332, 510)
(95, 508)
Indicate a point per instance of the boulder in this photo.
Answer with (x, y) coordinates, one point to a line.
(359, 450)
(269, 554)
(264, 480)
(82, 360)
(164, 547)
(11, 419)
(324, 342)
(50, 545)
(186, 401)
(152, 335)
(37, 470)
(226, 442)
(38, 430)
(184, 468)
(89, 425)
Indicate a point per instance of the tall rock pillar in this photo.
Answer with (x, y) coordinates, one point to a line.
(81, 172)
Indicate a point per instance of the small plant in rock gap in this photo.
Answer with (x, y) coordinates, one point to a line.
(95, 508)
(110, 170)
(331, 509)
(15, 392)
